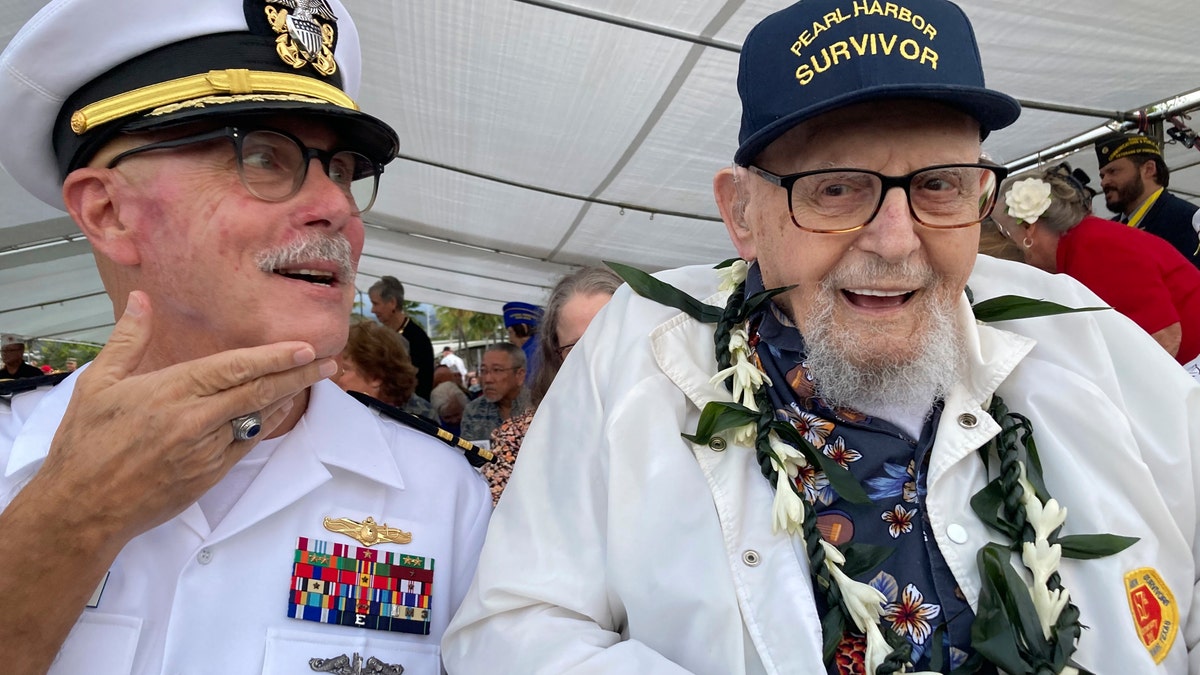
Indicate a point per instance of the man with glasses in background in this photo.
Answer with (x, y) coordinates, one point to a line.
(198, 498)
(824, 460)
(502, 373)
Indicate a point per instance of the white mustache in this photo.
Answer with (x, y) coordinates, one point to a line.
(310, 248)
(869, 271)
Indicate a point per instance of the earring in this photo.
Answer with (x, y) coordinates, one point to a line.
(1027, 242)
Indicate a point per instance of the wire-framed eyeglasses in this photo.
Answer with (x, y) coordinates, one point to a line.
(944, 196)
(273, 164)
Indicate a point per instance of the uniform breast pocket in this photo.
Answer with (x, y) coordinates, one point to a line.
(291, 652)
(99, 644)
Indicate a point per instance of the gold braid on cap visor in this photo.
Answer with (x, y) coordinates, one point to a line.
(214, 82)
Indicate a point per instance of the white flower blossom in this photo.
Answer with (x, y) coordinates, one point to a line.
(739, 341)
(865, 603)
(1040, 556)
(1028, 199)
(732, 275)
(787, 457)
(1045, 518)
(747, 379)
(877, 648)
(789, 509)
(1042, 560)
(745, 435)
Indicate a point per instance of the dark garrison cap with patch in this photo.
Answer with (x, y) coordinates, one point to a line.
(82, 71)
(820, 55)
(1112, 148)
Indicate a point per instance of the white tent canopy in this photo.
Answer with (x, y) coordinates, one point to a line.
(538, 135)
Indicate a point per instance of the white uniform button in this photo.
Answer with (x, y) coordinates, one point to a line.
(751, 558)
(957, 533)
(968, 421)
(717, 444)
(205, 556)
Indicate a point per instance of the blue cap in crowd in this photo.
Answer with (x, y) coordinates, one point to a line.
(820, 55)
(518, 313)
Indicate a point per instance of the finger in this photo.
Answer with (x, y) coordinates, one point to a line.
(227, 370)
(267, 392)
(275, 415)
(123, 352)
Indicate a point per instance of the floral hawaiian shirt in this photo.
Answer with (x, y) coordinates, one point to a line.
(924, 604)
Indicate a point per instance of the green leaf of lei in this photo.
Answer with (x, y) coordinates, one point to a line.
(833, 626)
(1004, 609)
(863, 558)
(987, 505)
(840, 479)
(718, 416)
(1092, 546)
(665, 294)
(1009, 307)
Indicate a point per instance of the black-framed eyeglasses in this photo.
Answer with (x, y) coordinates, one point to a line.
(565, 349)
(273, 164)
(943, 196)
(484, 372)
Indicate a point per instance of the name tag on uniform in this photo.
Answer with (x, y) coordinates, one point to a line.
(357, 586)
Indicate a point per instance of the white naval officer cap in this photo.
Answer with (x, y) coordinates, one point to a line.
(81, 71)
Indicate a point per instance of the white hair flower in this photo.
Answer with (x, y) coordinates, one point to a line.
(1028, 199)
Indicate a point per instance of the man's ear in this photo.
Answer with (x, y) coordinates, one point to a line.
(90, 197)
(1149, 171)
(731, 201)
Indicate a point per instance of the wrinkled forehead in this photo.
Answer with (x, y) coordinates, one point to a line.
(874, 124)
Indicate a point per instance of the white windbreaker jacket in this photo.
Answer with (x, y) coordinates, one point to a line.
(620, 547)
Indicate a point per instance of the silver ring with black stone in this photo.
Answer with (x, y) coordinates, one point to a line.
(246, 426)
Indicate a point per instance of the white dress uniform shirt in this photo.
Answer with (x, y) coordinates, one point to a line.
(185, 599)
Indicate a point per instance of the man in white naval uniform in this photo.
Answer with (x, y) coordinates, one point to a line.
(641, 534)
(199, 499)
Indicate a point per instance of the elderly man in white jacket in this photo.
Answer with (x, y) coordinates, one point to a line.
(887, 465)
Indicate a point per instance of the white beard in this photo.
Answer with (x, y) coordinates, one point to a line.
(901, 391)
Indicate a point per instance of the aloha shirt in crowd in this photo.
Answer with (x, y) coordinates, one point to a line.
(924, 603)
(506, 443)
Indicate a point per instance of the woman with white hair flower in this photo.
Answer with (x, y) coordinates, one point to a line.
(1138, 274)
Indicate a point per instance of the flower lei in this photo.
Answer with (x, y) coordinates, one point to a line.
(1023, 625)
(1028, 199)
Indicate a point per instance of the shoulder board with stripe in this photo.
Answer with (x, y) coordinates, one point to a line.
(476, 455)
(10, 387)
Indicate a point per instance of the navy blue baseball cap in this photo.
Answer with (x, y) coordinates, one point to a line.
(820, 55)
(517, 313)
